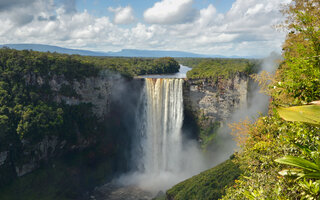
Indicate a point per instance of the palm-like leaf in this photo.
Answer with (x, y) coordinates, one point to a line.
(315, 175)
(299, 162)
(306, 169)
(307, 113)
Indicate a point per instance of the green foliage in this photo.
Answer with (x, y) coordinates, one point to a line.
(64, 179)
(311, 189)
(306, 169)
(209, 184)
(271, 140)
(298, 80)
(38, 121)
(208, 133)
(223, 68)
(191, 62)
(78, 67)
(165, 65)
(26, 107)
(268, 139)
(133, 66)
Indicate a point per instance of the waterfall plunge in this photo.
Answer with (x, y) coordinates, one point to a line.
(160, 155)
(164, 116)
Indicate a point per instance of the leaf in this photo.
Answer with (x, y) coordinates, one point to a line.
(292, 172)
(298, 162)
(307, 113)
(315, 175)
(305, 149)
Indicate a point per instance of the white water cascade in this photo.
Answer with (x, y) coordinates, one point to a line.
(161, 156)
(164, 117)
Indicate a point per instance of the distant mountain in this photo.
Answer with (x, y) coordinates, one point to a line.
(122, 53)
(154, 53)
(45, 48)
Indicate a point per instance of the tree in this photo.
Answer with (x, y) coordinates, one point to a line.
(299, 74)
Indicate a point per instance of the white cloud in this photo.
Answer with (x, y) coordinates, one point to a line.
(209, 16)
(244, 30)
(254, 10)
(122, 15)
(170, 12)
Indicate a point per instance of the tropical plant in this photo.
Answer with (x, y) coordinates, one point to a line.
(303, 168)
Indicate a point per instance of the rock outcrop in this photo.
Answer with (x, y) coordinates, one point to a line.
(96, 91)
(213, 101)
(216, 100)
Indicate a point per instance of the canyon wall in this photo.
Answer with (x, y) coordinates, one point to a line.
(211, 102)
(107, 95)
(207, 103)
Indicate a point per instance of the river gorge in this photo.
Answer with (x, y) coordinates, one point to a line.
(158, 127)
(165, 151)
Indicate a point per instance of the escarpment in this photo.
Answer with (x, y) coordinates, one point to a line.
(93, 109)
(212, 102)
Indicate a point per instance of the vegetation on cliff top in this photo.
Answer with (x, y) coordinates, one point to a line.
(133, 66)
(75, 66)
(222, 68)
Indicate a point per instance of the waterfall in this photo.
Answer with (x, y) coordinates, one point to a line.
(161, 157)
(163, 113)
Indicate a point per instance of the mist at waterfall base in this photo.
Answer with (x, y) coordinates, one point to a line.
(183, 157)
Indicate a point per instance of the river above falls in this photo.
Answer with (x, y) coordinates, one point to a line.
(181, 74)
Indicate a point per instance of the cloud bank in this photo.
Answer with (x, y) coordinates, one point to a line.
(246, 29)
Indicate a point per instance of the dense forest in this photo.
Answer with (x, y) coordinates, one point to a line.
(212, 68)
(279, 156)
(133, 66)
(125, 66)
(191, 62)
(223, 68)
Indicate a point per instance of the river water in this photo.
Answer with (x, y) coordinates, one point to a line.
(181, 74)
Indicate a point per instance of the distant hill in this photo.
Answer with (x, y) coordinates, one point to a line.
(155, 53)
(50, 48)
(122, 53)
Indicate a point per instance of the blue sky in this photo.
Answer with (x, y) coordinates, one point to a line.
(99, 7)
(219, 27)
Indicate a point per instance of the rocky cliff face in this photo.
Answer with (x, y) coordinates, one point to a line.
(93, 90)
(208, 102)
(211, 103)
